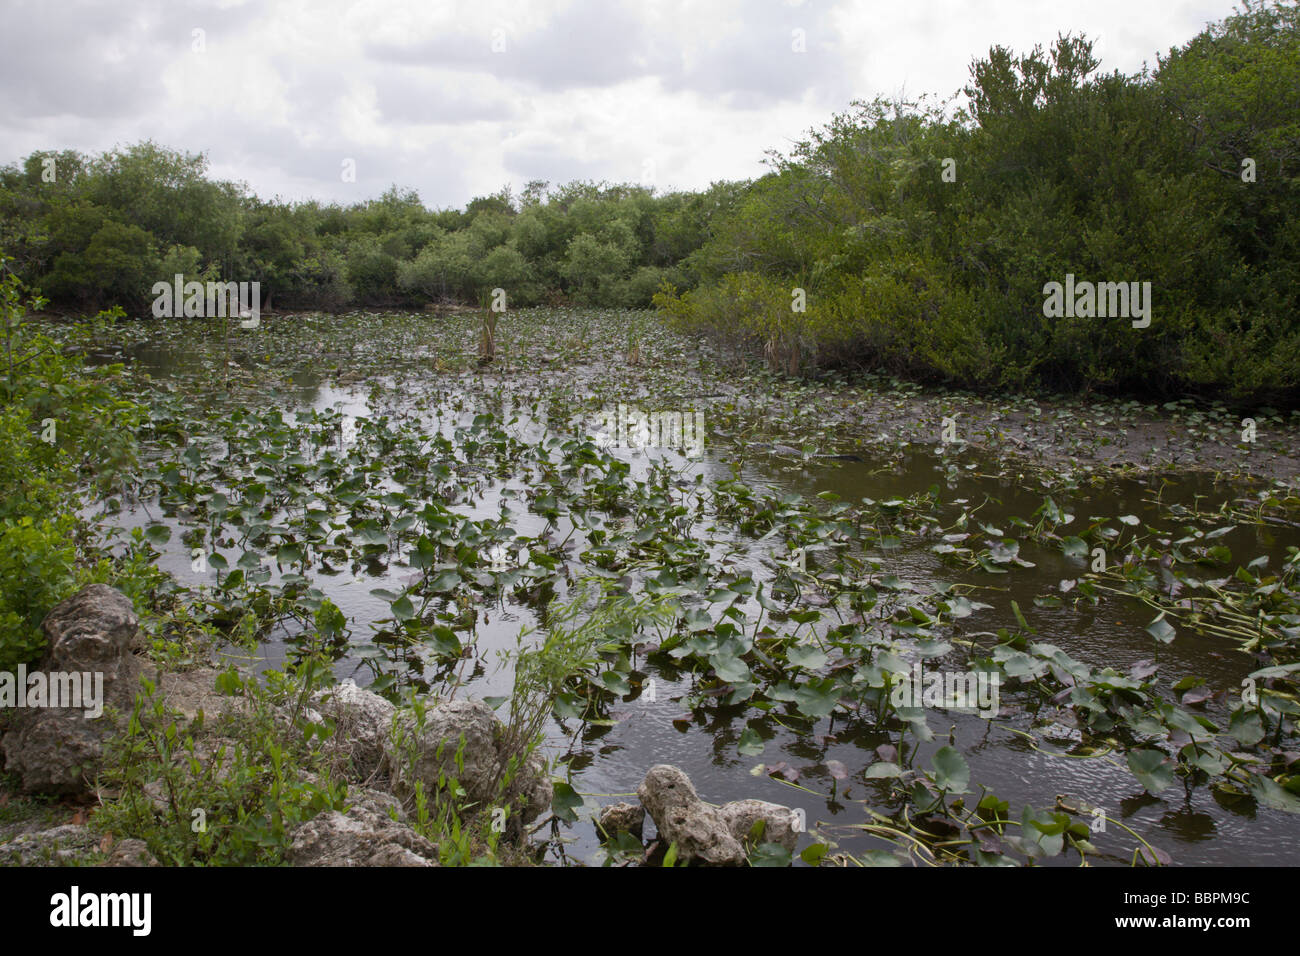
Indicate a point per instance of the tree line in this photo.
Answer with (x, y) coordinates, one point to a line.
(91, 232)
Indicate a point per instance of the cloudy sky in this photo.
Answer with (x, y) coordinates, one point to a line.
(458, 99)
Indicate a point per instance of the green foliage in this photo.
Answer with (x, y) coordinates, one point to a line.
(31, 484)
(592, 266)
(462, 829)
(37, 570)
(119, 263)
(59, 421)
(372, 271)
(105, 229)
(922, 239)
(1055, 169)
(233, 800)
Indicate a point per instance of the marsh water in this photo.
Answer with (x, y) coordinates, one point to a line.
(1022, 756)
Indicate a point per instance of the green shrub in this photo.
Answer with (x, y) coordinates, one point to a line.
(38, 568)
(58, 419)
(1055, 170)
(237, 805)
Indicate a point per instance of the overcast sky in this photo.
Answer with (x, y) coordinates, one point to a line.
(456, 100)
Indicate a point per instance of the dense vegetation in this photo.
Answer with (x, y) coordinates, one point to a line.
(899, 237)
(62, 427)
(1055, 170)
(94, 231)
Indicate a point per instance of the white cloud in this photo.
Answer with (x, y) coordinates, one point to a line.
(584, 89)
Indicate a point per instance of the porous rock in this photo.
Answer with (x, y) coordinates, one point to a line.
(781, 824)
(470, 729)
(366, 835)
(130, 853)
(622, 818)
(362, 724)
(60, 750)
(58, 846)
(701, 832)
(715, 836)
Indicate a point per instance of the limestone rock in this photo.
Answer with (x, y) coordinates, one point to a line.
(781, 824)
(71, 845)
(716, 836)
(622, 818)
(700, 831)
(59, 750)
(431, 753)
(366, 835)
(130, 853)
(186, 694)
(362, 722)
(664, 787)
(59, 846)
(537, 788)
(702, 834)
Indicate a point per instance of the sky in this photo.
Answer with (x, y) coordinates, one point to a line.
(337, 101)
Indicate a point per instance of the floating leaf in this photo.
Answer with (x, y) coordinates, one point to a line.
(402, 608)
(566, 802)
(1153, 769)
(730, 668)
(1161, 629)
(1154, 856)
(158, 533)
(446, 581)
(1073, 547)
(1245, 727)
(813, 854)
(882, 770)
(802, 655)
(951, 770)
(817, 698)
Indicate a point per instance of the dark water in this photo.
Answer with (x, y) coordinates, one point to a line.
(610, 761)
